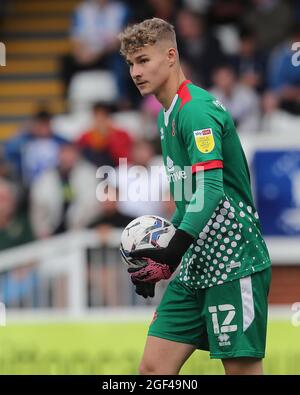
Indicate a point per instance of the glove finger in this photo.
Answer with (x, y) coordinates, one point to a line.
(140, 276)
(133, 269)
(141, 290)
(151, 253)
(134, 280)
(151, 290)
(135, 274)
(145, 289)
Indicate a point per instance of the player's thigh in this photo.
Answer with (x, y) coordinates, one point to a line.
(162, 356)
(237, 317)
(177, 329)
(180, 316)
(243, 366)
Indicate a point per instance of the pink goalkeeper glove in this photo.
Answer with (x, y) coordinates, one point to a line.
(152, 272)
(161, 262)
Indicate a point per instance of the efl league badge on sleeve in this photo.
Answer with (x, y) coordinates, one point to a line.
(204, 140)
(277, 189)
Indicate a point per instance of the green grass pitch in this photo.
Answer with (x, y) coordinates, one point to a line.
(116, 348)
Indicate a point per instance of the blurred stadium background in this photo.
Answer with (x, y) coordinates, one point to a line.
(67, 106)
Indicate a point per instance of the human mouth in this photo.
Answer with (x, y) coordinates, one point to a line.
(141, 83)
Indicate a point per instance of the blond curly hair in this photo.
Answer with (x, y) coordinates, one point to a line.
(148, 32)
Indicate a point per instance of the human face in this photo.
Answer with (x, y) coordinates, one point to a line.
(42, 129)
(68, 157)
(224, 79)
(150, 67)
(142, 153)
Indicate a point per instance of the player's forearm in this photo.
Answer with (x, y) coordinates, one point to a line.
(203, 203)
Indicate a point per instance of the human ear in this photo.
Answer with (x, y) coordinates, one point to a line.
(172, 56)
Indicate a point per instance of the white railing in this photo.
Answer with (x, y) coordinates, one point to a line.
(70, 266)
(59, 256)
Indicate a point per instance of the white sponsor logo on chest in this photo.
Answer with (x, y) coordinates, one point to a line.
(174, 175)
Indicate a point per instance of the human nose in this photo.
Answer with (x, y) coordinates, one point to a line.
(135, 71)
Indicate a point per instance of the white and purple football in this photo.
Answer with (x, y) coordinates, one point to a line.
(147, 231)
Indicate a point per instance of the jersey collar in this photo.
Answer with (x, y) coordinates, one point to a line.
(182, 85)
(170, 109)
(168, 112)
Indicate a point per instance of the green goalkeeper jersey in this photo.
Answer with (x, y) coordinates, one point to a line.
(197, 135)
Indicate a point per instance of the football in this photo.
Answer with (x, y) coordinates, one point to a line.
(147, 231)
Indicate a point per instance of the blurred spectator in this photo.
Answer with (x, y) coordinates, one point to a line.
(250, 63)
(100, 277)
(64, 198)
(3, 8)
(95, 26)
(5, 167)
(149, 109)
(241, 101)
(269, 103)
(272, 115)
(104, 143)
(163, 9)
(141, 187)
(284, 76)
(197, 47)
(226, 11)
(20, 287)
(15, 228)
(154, 8)
(271, 21)
(34, 149)
(296, 4)
(109, 217)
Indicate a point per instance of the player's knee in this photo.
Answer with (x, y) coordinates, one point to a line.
(234, 370)
(243, 366)
(155, 368)
(147, 368)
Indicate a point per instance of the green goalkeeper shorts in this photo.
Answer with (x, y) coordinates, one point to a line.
(229, 320)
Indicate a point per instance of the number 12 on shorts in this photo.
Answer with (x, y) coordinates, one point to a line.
(225, 327)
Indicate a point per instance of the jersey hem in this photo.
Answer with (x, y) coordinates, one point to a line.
(237, 354)
(173, 338)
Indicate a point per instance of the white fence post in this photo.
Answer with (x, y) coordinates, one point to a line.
(2, 314)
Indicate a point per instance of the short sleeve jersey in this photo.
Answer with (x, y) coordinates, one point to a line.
(198, 134)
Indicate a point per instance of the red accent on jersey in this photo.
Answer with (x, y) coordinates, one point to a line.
(206, 132)
(184, 93)
(210, 164)
(173, 128)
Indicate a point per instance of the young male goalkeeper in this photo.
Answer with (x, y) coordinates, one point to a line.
(218, 301)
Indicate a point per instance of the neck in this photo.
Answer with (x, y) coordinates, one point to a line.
(168, 90)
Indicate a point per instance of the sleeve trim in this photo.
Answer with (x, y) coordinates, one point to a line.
(211, 164)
